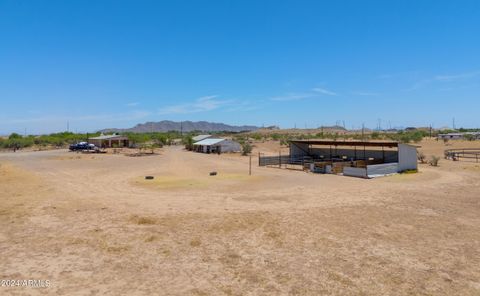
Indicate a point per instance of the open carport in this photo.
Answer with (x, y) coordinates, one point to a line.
(350, 158)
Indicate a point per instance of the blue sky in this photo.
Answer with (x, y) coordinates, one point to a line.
(101, 64)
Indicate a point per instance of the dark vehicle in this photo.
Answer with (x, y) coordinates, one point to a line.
(82, 146)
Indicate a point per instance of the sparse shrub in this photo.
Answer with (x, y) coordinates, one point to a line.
(188, 142)
(434, 160)
(256, 136)
(246, 148)
(421, 157)
(375, 135)
(275, 137)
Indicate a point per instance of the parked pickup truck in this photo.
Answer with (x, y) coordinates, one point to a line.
(82, 146)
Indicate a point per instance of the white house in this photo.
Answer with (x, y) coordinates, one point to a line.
(216, 145)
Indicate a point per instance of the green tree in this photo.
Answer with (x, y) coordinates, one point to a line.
(246, 148)
(188, 142)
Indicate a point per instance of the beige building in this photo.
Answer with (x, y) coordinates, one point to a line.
(110, 141)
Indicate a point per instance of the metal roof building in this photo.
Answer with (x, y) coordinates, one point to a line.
(380, 158)
(109, 141)
(460, 136)
(216, 145)
(201, 137)
(350, 158)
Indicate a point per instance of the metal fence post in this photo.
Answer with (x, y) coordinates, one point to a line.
(250, 166)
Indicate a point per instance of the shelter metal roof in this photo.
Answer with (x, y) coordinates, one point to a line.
(460, 134)
(200, 137)
(345, 143)
(209, 142)
(108, 137)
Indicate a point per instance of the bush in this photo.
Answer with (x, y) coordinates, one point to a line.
(256, 136)
(434, 160)
(276, 137)
(375, 135)
(188, 142)
(421, 157)
(246, 148)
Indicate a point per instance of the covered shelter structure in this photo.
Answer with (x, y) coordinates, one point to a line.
(110, 141)
(216, 145)
(351, 158)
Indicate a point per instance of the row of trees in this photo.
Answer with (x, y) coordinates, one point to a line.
(16, 141)
(59, 140)
(401, 136)
(160, 139)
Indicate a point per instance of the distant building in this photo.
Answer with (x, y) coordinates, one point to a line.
(110, 141)
(460, 136)
(216, 145)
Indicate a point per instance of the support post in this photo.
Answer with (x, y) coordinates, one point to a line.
(250, 166)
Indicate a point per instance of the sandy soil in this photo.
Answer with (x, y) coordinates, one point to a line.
(92, 225)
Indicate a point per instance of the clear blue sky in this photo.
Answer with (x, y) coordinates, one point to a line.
(101, 64)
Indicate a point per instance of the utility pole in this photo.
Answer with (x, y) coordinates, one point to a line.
(453, 123)
(68, 126)
(181, 128)
(363, 131)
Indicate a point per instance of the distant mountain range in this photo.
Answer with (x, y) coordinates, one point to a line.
(186, 126)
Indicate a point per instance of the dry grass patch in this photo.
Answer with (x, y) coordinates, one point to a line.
(150, 238)
(141, 220)
(196, 242)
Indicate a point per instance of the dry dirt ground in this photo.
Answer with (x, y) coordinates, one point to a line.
(92, 225)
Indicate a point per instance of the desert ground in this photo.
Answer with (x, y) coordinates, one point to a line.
(92, 225)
